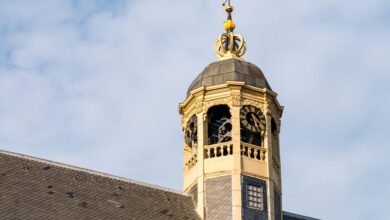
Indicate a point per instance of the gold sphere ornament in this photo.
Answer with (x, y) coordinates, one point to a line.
(229, 25)
(229, 9)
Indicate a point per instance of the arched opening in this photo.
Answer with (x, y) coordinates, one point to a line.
(219, 124)
(191, 133)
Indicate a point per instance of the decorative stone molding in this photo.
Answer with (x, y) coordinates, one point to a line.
(236, 100)
(187, 110)
(253, 103)
(199, 107)
(194, 108)
(270, 110)
(192, 161)
(209, 104)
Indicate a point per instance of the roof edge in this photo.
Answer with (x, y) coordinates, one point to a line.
(293, 215)
(93, 172)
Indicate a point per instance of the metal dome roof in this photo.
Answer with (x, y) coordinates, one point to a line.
(230, 70)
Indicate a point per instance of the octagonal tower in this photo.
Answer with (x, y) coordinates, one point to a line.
(231, 123)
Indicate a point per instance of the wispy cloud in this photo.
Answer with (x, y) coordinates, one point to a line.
(97, 84)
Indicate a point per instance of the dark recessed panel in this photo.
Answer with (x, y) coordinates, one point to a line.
(254, 199)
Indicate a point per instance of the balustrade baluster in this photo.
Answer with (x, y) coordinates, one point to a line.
(212, 152)
(252, 152)
(218, 150)
(225, 150)
(219, 153)
(257, 154)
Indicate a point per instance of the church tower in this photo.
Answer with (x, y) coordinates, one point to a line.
(231, 123)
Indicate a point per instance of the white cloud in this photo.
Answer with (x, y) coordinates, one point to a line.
(98, 85)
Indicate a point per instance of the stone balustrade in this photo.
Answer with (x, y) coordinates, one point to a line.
(253, 151)
(192, 161)
(218, 150)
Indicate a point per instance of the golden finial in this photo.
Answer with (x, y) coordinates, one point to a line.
(229, 23)
(229, 45)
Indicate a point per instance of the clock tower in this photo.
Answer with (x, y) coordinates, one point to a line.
(231, 123)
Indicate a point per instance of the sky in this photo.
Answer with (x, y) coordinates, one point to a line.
(97, 84)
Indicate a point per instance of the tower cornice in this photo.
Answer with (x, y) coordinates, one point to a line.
(251, 93)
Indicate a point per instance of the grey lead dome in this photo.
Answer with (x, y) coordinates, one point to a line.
(230, 70)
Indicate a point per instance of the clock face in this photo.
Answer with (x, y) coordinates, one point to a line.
(191, 132)
(252, 125)
(252, 118)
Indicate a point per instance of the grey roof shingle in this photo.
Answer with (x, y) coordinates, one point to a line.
(32, 188)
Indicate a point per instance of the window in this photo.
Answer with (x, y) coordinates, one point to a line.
(255, 197)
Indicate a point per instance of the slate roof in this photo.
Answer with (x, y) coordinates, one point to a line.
(32, 188)
(230, 70)
(292, 216)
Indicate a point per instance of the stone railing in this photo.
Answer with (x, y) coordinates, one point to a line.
(192, 162)
(253, 151)
(218, 150)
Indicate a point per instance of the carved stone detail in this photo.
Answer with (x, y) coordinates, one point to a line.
(270, 110)
(199, 107)
(211, 103)
(258, 104)
(236, 100)
(273, 112)
(252, 102)
(194, 108)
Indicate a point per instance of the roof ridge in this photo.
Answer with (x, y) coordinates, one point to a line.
(93, 172)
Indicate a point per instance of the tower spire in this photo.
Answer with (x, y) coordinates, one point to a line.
(229, 45)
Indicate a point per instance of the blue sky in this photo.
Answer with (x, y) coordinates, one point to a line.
(97, 84)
